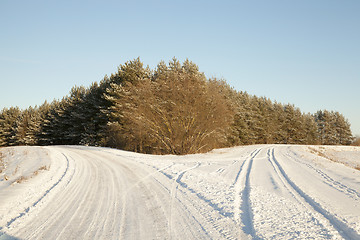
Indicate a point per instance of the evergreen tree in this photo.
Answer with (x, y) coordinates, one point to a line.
(280, 132)
(333, 128)
(310, 130)
(35, 118)
(343, 131)
(242, 116)
(52, 126)
(9, 120)
(119, 97)
(173, 109)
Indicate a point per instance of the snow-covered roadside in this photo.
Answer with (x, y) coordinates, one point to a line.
(250, 192)
(21, 163)
(28, 175)
(22, 174)
(347, 155)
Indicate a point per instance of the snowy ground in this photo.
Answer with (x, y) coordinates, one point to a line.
(252, 192)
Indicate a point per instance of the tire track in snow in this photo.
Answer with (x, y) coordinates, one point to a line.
(174, 187)
(107, 195)
(242, 208)
(65, 207)
(73, 210)
(111, 221)
(189, 219)
(199, 208)
(92, 204)
(153, 199)
(99, 188)
(136, 184)
(345, 231)
(220, 170)
(209, 216)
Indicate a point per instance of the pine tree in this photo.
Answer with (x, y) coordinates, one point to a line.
(333, 128)
(343, 131)
(52, 127)
(310, 130)
(240, 134)
(9, 120)
(172, 109)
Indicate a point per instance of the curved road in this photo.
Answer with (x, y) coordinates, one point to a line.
(254, 192)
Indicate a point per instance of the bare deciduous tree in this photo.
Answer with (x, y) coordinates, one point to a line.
(177, 111)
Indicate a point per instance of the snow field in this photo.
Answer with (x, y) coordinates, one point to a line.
(252, 192)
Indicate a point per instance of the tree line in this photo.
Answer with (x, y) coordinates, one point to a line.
(173, 109)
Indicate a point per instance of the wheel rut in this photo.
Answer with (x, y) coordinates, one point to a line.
(242, 206)
(342, 228)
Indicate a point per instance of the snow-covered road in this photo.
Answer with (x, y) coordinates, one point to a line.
(252, 192)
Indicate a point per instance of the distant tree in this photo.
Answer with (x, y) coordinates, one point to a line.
(343, 132)
(310, 130)
(241, 133)
(333, 128)
(176, 110)
(76, 119)
(280, 132)
(9, 120)
(18, 129)
(93, 114)
(35, 118)
(22, 130)
(322, 119)
(356, 141)
(52, 126)
(268, 120)
(290, 124)
(118, 95)
(172, 109)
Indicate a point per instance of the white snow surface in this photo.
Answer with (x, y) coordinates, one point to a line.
(249, 192)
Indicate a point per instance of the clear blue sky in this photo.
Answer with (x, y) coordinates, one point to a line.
(303, 52)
